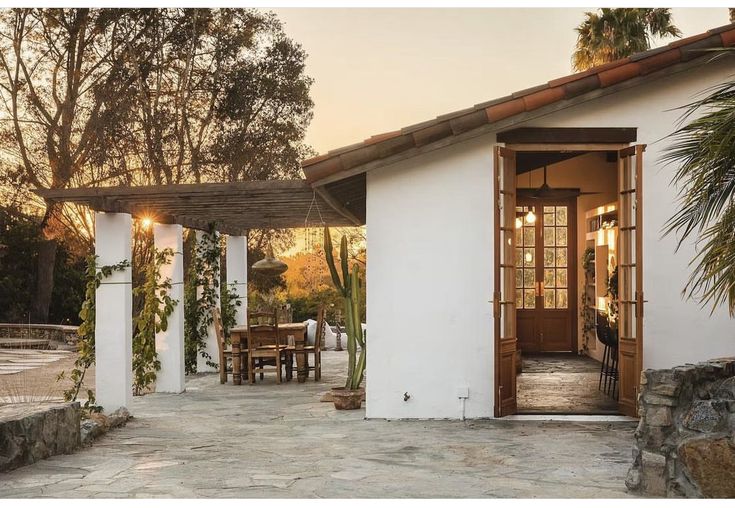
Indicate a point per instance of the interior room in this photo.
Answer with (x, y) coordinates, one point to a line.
(566, 277)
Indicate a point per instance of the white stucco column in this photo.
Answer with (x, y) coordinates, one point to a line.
(114, 313)
(170, 343)
(211, 344)
(237, 274)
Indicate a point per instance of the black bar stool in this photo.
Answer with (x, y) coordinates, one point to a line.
(609, 367)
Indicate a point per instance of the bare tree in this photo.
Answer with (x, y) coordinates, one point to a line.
(133, 96)
(65, 83)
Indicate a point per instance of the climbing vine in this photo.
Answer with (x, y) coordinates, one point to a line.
(204, 274)
(153, 317)
(612, 293)
(94, 276)
(229, 301)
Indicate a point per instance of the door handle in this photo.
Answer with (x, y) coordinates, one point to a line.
(539, 288)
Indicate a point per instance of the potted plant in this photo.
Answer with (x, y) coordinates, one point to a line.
(350, 395)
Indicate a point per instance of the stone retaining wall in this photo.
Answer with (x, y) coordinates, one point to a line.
(31, 432)
(685, 441)
(56, 333)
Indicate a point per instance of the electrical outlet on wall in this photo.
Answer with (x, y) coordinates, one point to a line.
(463, 392)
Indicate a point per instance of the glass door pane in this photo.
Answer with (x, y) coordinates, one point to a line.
(555, 234)
(525, 259)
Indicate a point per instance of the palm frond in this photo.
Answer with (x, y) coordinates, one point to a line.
(703, 150)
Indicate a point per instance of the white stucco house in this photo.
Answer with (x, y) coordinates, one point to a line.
(486, 230)
(459, 281)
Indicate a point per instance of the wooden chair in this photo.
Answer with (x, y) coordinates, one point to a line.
(225, 352)
(264, 344)
(316, 349)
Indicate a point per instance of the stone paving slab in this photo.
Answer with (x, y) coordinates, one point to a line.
(272, 441)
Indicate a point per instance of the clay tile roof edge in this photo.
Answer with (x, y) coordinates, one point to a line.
(547, 93)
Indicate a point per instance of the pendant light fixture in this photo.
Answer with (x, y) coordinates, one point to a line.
(269, 265)
(530, 216)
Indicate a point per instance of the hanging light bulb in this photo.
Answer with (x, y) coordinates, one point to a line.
(519, 223)
(528, 256)
(530, 217)
(269, 265)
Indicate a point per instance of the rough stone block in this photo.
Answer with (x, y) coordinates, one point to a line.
(633, 478)
(659, 400)
(702, 417)
(658, 416)
(99, 423)
(710, 463)
(653, 474)
(654, 438)
(725, 389)
(664, 382)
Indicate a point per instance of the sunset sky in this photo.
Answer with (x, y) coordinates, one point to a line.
(377, 70)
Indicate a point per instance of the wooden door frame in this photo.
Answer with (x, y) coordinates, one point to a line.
(631, 291)
(572, 261)
(503, 300)
(529, 147)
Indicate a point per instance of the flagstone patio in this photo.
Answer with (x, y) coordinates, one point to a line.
(280, 441)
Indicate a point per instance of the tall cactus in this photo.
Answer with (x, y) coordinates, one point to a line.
(349, 287)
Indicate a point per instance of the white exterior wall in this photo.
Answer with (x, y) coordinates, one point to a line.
(430, 269)
(676, 330)
(429, 280)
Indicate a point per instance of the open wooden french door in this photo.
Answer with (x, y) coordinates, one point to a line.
(630, 276)
(504, 298)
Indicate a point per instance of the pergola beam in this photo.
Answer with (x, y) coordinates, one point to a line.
(231, 208)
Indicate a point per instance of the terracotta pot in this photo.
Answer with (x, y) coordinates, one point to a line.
(347, 399)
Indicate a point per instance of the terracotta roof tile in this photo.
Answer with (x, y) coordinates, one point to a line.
(660, 60)
(391, 143)
(728, 38)
(529, 91)
(344, 149)
(618, 74)
(505, 109)
(468, 122)
(594, 70)
(314, 160)
(720, 29)
(543, 97)
(455, 114)
(568, 79)
(361, 155)
(698, 48)
(487, 104)
(432, 133)
(395, 145)
(580, 86)
(688, 40)
(649, 53)
(418, 126)
(382, 137)
(323, 169)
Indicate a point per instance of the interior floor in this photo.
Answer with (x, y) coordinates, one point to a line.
(561, 383)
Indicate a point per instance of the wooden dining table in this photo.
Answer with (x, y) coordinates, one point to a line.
(239, 338)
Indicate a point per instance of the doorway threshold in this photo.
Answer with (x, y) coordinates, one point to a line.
(569, 418)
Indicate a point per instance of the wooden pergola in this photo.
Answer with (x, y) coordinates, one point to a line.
(233, 208)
